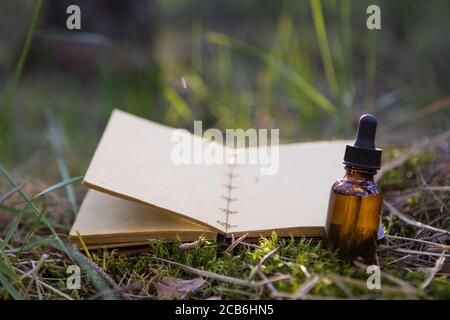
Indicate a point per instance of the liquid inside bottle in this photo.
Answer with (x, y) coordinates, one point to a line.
(354, 214)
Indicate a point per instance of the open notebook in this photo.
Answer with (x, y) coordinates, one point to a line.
(138, 193)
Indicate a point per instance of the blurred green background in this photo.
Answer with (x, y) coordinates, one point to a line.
(309, 68)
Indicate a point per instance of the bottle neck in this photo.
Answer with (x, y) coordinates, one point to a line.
(359, 172)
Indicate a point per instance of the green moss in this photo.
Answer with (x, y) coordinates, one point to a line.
(292, 258)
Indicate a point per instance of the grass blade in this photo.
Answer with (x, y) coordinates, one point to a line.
(92, 270)
(13, 227)
(19, 217)
(57, 186)
(322, 38)
(371, 70)
(36, 211)
(7, 272)
(6, 284)
(179, 107)
(39, 242)
(55, 141)
(10, 90)
(312, 93)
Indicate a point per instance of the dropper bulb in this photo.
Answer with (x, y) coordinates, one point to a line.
(366, 132)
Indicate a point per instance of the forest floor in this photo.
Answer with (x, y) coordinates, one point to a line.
(35, 253)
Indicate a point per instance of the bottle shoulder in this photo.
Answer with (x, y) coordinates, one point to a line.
(357, 187)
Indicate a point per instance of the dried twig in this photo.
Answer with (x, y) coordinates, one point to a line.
(276, 278)
(38, 286)
(236, 243)
(405, 285)
(338, 282)
(434, 106)
(411, 221)
(65, 296)
(191, 245)
(269, 286)
(421, 253)
(436, 188)
(33, 272)
(36, 269)
(107, 278)
(317, 297)
(254, 246)
(240, 292)
(425, 143)
(305, 271)
(419, 240)
(305, 287)
(433, 271)
(211, 275)
(114, 291)
(260, 263)
(7, 195)
(431, 189)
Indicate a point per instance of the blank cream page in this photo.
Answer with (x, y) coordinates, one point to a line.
(134, 161)
(292, 201)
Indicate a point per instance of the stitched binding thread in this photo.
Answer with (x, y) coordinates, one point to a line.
(228, 197)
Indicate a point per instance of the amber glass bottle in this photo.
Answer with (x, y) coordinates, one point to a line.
(355, 200)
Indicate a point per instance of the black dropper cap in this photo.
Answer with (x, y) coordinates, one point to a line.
(363, 153)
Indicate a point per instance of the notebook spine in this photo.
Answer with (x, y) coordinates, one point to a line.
(229, 198)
